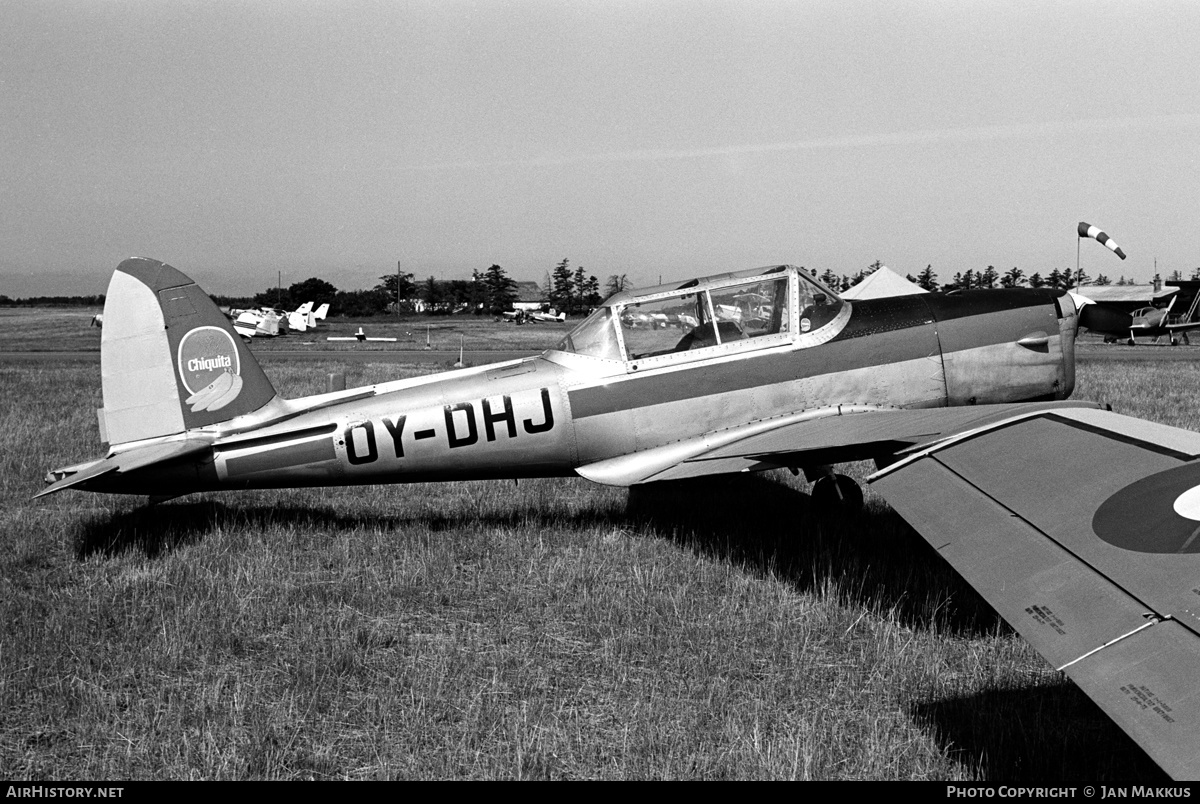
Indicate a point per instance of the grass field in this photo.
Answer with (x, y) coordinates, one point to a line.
(69, 329)
(552, 629)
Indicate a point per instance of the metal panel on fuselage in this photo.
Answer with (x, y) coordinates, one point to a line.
(984, 363)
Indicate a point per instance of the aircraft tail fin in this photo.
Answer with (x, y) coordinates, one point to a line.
(321, 312)
(297, 322)
(169, 360)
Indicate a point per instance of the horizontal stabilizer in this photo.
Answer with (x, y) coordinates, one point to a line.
(86, 472)
(126, 461)
(1080, 527)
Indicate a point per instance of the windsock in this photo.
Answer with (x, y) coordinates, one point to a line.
(1087, 230)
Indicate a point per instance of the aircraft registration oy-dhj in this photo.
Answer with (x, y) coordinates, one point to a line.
(1081, 526)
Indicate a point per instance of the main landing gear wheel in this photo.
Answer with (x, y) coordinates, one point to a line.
(837, 493)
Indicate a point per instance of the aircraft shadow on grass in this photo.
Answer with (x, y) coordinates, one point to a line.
(160, 529)
(1037, 735)
(752, 521)
(1026, 733)
(1032, 733)
(154, 530)
(876, 560)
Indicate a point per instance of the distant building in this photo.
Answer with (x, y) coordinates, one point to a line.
(530, 297)
(883, 283)
(1133, 297)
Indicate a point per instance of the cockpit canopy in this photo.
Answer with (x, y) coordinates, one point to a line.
(730, 312)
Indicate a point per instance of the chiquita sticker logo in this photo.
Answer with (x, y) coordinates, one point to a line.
(209, 368)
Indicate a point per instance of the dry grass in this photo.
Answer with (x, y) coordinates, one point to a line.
(475, 630)
(35, 329)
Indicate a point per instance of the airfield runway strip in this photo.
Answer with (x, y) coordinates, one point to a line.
(473, 358)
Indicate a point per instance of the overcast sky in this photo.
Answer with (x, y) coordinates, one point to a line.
(237, 139)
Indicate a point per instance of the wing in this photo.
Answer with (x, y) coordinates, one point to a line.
(813, 437)
(1082, 528)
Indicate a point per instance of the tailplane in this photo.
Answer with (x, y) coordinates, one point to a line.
(169, 359)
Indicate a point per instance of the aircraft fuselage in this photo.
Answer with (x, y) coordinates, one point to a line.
(550, 414)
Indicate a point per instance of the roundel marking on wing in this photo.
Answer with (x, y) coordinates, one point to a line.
(1187, 505)
(1157, 514)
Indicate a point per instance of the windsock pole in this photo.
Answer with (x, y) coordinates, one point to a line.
(1078, 241)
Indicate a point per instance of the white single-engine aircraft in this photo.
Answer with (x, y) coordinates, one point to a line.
(260, 323)
(548, 317)
(1081, 526)
(301, 319)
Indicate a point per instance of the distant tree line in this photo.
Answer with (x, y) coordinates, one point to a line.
(570, 291)
(989, 278)
(486, 292)
(492, 291)
(53, 301)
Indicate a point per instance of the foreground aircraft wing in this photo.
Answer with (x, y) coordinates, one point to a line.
(813, 437)
(1082, 528)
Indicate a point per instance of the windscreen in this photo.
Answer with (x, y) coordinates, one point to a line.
(595, 337)
(817, 307)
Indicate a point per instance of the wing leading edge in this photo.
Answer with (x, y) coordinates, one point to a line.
(1080, 527)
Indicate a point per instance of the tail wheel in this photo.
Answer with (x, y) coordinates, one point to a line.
(837, 493)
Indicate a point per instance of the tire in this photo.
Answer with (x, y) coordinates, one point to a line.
(837, 493)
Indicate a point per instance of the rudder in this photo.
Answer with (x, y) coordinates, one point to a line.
(169, 359)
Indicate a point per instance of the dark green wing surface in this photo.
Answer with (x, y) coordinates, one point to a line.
(1082, 529)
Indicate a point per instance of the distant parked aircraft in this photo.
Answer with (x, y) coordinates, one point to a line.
(544, 318)
(1144, 322)
(359, 336)
(301, 319)
(256, 323)
(269, 322)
